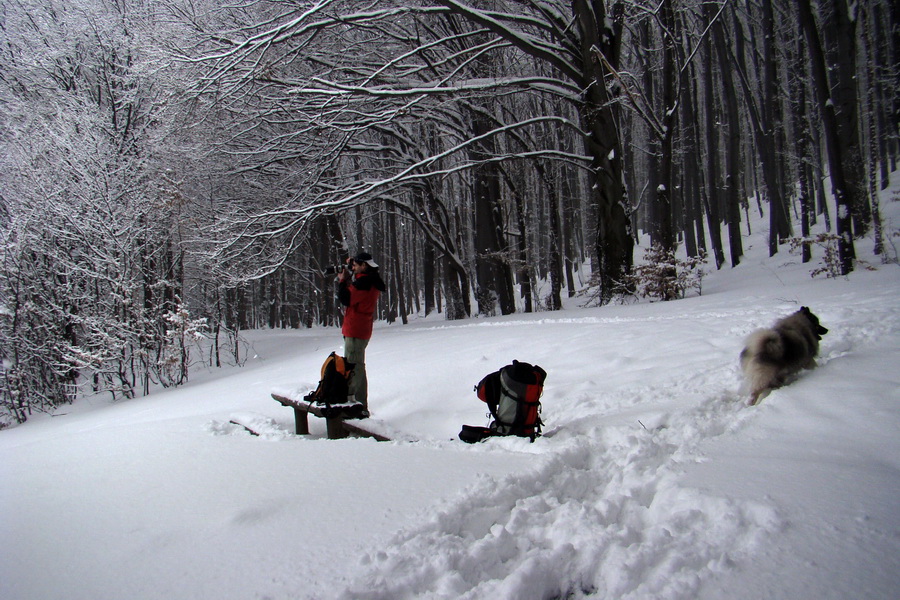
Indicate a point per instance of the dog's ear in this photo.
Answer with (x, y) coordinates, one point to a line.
(805, 310)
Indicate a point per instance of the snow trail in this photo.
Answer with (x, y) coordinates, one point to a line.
(602, 513)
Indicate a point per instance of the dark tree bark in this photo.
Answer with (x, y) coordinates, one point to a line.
(840, 49)
(663, 232)
(712, 162)
(524, 269)
(733, 171)
(801, 143)
(839, 186)
(428, 277)
(615, 245)
(493, 275)
(770, 125)
(552, 189)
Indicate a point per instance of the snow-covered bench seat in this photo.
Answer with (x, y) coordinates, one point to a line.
(336, 427)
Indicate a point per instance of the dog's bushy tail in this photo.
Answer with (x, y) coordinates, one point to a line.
(765, 345)
(759, 362)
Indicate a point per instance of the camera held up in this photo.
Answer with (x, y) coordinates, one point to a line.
(335, 269)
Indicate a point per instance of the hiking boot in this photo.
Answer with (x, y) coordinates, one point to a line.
(355, 411)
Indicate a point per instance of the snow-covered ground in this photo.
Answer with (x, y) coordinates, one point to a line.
(653, 479)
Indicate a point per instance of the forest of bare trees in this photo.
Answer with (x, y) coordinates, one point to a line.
(176, 171)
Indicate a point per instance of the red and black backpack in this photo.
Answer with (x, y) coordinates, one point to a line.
(513, 397)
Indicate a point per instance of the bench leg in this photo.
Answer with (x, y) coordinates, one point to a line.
(335, 429)
(301, 422)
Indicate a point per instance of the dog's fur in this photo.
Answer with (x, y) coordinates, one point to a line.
(770, 356)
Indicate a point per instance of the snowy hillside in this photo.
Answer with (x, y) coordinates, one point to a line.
(653, 479)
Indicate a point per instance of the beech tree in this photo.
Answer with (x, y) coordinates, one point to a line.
(835, 150)
(416, 70)
(92, 293)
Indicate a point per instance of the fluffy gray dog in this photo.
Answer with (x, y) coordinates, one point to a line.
(770, 356)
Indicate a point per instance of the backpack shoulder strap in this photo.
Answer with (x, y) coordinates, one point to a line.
(488, 391)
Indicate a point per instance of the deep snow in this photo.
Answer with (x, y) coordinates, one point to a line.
(653, 478)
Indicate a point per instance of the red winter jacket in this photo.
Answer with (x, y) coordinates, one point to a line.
(360, 297)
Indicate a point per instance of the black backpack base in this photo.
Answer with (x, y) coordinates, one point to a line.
(472, 434)
(347, 411)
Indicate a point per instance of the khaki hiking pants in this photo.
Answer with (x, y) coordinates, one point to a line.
(355, 353)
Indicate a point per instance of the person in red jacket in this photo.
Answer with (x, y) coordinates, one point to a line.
(358, 291)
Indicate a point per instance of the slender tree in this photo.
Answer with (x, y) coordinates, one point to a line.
(827, 111)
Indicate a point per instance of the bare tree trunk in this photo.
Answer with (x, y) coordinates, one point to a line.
(492, 270)
(615, 244)
(846, 249)
(733, 171)
(713, 170)
(779, 217)
(801, 144)
(456, 291)
(554, 301)
(524, 269)
(568, 233)
(839, 37)
(428, 278)
(663, 214)
(398, 300)
(874, 115)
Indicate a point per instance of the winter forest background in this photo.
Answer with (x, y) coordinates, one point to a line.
(176, 171)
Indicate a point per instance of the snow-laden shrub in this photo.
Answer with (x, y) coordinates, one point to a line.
(664, 276)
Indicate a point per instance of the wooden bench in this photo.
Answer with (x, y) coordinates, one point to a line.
(336, 427)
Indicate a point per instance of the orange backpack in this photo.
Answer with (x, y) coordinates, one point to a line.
(332, 388)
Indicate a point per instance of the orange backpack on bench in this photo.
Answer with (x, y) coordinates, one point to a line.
(332, 388)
